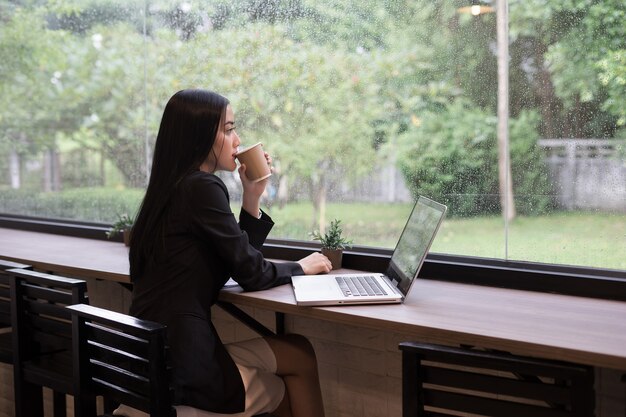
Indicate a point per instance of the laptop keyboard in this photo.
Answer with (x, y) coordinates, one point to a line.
(360, 286)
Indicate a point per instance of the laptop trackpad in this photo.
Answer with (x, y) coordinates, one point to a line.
(317, 288)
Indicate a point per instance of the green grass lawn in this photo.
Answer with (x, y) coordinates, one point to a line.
(573, 238)
(594, 239)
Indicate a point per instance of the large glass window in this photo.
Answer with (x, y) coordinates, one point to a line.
(363, 104)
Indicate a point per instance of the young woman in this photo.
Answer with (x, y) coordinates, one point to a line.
(186, 243)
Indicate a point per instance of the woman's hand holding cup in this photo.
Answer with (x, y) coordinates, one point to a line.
(255, 170)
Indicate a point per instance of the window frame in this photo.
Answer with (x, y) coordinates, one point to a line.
(529, 276)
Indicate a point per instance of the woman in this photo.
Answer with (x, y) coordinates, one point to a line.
(186, 243)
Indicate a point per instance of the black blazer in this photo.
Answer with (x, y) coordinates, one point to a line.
(204, 246)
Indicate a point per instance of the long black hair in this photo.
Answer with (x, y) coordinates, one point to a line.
(189, 126)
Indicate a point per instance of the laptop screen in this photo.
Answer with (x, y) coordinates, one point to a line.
(416, 238)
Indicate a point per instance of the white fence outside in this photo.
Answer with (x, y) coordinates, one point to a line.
(385, 185)
(587, 174)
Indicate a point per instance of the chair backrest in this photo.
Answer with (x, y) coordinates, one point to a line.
(5, 296)
(441, 380)
(121, 358)
(40, 321)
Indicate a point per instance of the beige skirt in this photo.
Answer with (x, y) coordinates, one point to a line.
(257, 365)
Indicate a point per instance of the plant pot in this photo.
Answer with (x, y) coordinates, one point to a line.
(126, 235)
(334, 255)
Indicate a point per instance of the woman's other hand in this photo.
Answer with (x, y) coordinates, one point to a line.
(315, 263)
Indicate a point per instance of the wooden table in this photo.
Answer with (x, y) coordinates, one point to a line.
(65, 255)
(581, 330)
(576, 329)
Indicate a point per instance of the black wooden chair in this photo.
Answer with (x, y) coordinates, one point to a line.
(121, 358)
(42, 338)
(441, 380)
(6, 337)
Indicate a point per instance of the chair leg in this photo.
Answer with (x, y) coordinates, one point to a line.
(624, 380)
(410, 385)
(28, 400)
(59, 406)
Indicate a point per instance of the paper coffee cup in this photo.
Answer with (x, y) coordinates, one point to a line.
(253, 158)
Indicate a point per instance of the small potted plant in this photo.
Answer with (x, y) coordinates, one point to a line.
(333, 243)
(123, 225)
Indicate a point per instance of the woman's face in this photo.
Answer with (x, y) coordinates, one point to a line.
(222, 155)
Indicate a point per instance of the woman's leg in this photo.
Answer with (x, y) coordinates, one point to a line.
(296, 364)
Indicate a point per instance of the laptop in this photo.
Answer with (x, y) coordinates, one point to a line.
(375, 288)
